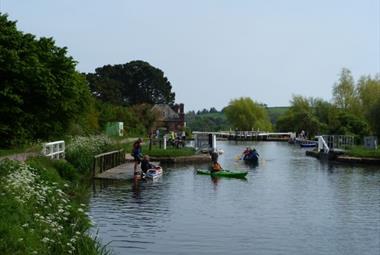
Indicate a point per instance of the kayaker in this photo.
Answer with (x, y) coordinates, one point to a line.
(137, 154)
(246, 153)
(254, 152)
(215, 166)
(145, 164)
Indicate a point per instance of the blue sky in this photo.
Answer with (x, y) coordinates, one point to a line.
(215, 51)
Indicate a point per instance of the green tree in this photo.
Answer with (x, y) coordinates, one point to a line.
(41, 93)
(245, 114)
(136, 82)
(369, 93)
(346, 123)
(300, 116)
(344, 94)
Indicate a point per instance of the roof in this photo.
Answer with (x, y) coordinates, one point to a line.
(165, 112)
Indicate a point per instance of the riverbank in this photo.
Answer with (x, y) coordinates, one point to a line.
(197, 158)
(343, 158)
(125, 171)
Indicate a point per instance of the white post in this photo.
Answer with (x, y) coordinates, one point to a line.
(164, 142)
(322, 145)
(196, 141)
(214, 142)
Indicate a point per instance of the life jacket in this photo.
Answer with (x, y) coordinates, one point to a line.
(216, 167)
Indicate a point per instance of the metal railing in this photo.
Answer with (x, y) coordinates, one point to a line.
(54, 150)
(339, 142)
(108, 160)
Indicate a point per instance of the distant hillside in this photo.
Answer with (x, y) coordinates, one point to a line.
(216, 121)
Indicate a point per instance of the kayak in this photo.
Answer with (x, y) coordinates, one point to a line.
(251, 158)
(308, 144)
(223, 173)
(153, 173)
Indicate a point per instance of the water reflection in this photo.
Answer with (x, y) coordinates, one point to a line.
(289, 204)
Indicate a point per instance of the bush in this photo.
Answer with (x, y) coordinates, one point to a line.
(37, 215)
(81, 150)
(66, 170)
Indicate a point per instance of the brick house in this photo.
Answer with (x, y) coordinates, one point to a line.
(171, 118)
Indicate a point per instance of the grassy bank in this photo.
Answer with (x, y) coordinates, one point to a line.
(156, 151)
(43, 202)
(363, 152)
(43, 209)
(22, 149)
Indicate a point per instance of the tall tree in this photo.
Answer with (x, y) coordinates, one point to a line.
(245, 114)
(344, 94)
(369, 93)
(41, 93)
(132, 83)
(299, 117)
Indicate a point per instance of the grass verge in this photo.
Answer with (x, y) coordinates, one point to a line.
(156, 151)
(359, 151)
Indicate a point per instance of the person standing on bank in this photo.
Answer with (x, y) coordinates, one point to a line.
(137, 154)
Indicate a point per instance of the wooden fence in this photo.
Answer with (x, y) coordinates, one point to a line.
(108, 160)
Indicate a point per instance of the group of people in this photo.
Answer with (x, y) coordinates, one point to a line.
(177, 139)
(250, 153)
(140, 159)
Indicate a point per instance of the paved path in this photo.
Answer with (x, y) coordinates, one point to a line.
(20, 156)
(125, 171)
(121, 172)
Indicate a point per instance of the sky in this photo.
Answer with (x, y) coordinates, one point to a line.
(214, 51)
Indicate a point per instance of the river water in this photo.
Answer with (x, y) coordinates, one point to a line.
(289, 204)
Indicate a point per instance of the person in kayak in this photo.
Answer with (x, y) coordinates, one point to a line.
(245, 153)
(146, 165)
(215, 166)
(137, 154)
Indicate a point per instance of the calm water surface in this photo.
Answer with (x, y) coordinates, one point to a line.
(289, 204)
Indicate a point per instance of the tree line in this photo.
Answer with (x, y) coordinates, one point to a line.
(353, 110)
(43, 96)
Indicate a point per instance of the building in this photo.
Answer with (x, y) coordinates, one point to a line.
(170, 118)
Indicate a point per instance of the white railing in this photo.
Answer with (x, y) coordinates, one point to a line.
(245, 133)
(322, 145)
(54, 150)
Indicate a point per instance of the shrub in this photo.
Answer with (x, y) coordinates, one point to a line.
(81, 150)
(37, 215)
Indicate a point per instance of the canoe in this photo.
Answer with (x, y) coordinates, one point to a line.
(251, 158)
(308, 145)
(153, 173)
(223, 173)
